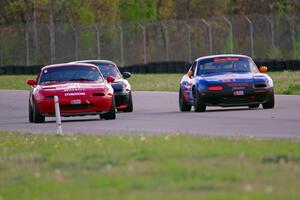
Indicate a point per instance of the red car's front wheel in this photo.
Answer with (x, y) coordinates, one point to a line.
(37, 116)
(111, 114)
(30, 112)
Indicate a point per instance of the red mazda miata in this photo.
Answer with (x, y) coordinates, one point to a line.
(81, 90)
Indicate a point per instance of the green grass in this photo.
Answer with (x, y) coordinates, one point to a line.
(147, 167)
(15, 82)
(286, 82)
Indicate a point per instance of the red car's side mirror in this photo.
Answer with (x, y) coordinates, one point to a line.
(31, 82)
(110, 79)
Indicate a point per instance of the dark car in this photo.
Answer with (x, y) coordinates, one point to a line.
(121, 86)
(81, 90)
(225, 80)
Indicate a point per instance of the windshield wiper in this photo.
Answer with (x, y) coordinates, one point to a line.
(81, 79)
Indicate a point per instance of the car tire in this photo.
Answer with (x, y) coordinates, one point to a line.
(199, 105)
(129, 107)
(183, 105)
(111, 114)
(270, 103)
(37, 117)
(254, 106)
(30, 112)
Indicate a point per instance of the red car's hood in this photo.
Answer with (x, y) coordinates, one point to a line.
(73, 86)
(73, 90)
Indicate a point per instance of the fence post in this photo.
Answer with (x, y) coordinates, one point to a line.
(272, 30)
(98, 42)
(231, 33)
(209, 35)
(1, 48)
(293, 35)
(189, 41)
(75, 41)
(144, 42)
(166, 34)
(251, 36)
(51, 29)
(27, 46)
(57, 115)
(121, 45)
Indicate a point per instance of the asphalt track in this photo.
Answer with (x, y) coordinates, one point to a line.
(157, 113)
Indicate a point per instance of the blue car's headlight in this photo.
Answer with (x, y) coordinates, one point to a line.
(270, 82)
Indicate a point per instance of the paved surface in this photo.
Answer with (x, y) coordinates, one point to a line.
(157, 112)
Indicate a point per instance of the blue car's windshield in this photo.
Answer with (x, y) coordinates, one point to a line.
(70, 73)
(226, 64)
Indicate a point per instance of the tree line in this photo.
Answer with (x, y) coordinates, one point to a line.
(105, 11)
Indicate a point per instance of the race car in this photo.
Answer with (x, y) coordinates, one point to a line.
(81, 89)
(122, 88)
(226, 81)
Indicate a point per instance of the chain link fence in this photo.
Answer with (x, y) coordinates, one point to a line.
(267, 37)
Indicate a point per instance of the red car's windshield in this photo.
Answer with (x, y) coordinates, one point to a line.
(70, 73)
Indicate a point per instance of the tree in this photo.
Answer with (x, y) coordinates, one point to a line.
(138, 10)
(104, 11)
(166, 9)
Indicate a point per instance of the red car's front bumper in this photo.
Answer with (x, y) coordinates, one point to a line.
(76, 106)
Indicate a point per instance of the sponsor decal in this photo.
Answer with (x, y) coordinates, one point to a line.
(74, 89)
(225, 59)
(73, 86)
(75, 94)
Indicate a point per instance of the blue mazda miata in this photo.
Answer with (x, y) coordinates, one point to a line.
(226, 81)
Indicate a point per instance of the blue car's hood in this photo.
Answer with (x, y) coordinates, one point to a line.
(233, 77)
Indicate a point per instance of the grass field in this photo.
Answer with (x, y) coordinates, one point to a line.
(147, 167)
(285, 82)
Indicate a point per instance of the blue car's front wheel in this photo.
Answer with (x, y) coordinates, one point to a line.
(183, 105)
(270, 103)
(199, 105)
